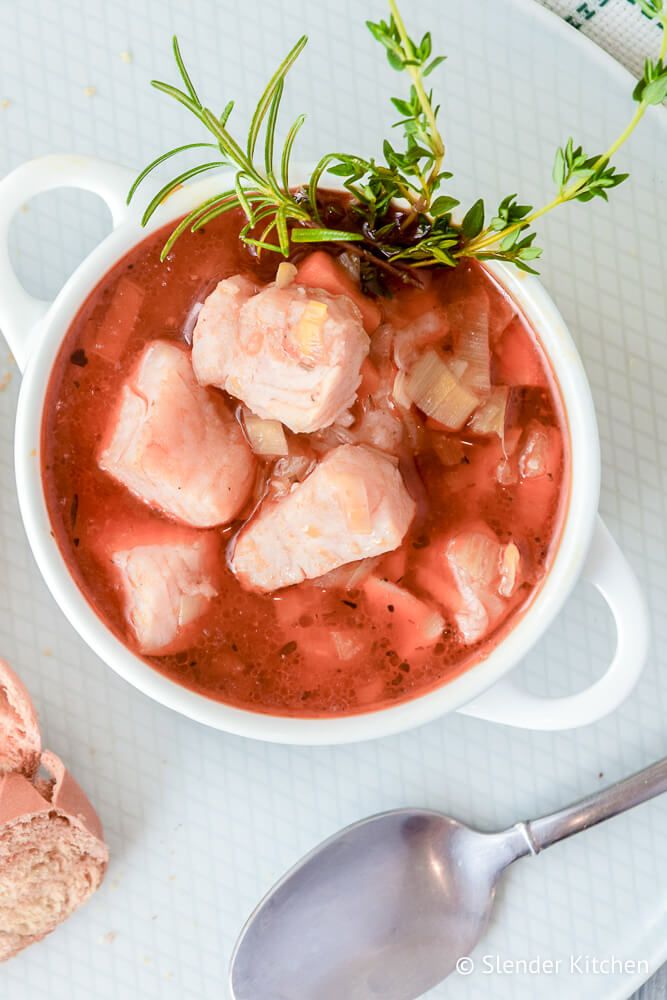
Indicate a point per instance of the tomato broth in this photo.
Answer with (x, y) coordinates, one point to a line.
(339, 644)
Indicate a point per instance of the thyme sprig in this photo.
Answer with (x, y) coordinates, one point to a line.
(578, 177)
(405, 219)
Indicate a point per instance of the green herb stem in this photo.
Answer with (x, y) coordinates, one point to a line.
(488, 238)
(437, 143)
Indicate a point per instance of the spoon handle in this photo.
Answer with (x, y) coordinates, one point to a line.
(596, 808)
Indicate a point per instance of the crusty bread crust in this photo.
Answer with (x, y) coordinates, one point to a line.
(52, 852)
(20, 743)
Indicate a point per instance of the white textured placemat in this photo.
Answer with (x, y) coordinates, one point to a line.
(200, 824)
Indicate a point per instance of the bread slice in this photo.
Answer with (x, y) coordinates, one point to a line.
(52, 852)
(20, 744)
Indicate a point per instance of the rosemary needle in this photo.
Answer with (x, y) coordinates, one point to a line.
(405, 218)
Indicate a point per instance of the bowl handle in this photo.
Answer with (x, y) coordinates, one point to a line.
(608, 570)
(21, 313)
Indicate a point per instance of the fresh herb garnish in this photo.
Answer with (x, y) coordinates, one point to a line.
(405, 219)
(264, 197)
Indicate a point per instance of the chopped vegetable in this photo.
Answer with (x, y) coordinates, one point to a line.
(470, 321)
(432, 386)
(428, 330)
(382, 430)
(415, 624)
(473, 555)
(266, 437)
(351, 262)
(399, 392)
(321, 270)
(108, 338)
(489, 418)
(535, 453)
(285, 274)
(347, 577)
(347, 645)
(506, 473)
(509, 568)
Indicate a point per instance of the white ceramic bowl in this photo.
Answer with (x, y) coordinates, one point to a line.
(35, 331)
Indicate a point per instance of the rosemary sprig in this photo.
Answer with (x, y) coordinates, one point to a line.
(405, 222)
(272, 211)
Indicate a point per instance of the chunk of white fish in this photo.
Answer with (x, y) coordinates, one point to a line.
(291, 353)
(354, 505)
(175, 447)
(485, 572)
(166, 587)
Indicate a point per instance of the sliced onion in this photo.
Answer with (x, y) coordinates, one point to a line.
(506, 473)
(489, 418)
(470, 322)
(512, 438)
(473, 348)
(191, 322)
(473, 557)
(352, 264)
(381, 430)
(347, 645)
(431, 328)
(332, 437)
(509, 568)
(438, 393)
(347, 577)
(285, 274)
(398, 391)
(458, 367)
(266, 437)
(290, 470)
(533, 458)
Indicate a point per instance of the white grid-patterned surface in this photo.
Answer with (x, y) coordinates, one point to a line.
(200, 824)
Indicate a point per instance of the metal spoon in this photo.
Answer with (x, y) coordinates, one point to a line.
(385, 908)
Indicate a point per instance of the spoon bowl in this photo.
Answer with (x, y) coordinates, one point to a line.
(384, 909)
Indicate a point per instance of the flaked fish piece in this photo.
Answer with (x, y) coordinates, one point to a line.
(166, 586)
(174, 446)
(291, 353)
(354, 505)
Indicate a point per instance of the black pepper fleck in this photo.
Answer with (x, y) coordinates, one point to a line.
(79, 358)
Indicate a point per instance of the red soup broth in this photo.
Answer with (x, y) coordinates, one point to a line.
(336, 646)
